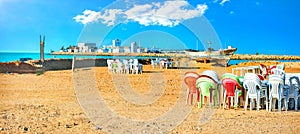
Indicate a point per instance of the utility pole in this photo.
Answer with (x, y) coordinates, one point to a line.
(42, 46)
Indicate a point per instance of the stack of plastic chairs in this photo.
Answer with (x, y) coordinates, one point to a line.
(276, 85)
(253, 84)
(207, 84)
(231, 83)
(292, 85)
(190, 80)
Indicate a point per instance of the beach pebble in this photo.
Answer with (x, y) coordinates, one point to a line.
(25, 128)
(68, 126)
(97, 127)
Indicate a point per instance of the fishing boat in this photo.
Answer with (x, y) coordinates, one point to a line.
(220, 57)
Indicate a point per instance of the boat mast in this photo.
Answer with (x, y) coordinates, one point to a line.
(209, 47)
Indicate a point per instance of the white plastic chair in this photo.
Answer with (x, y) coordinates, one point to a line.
(255, 90)
(126, 66)
(277, 71)
(276, 85)
(280, 66)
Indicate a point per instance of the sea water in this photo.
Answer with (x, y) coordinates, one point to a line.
(15, 56)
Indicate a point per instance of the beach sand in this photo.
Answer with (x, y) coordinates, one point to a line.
(47, 104)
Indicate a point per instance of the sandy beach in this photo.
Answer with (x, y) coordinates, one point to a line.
(47, 103)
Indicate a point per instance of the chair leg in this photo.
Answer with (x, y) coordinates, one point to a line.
(257, 104)
(271, 100)
(296, 100)
(215, 98)
(279, 105)
(246, 102)
(200, 103)
(286, 105)
(224, 100)
(231, 101)
(198, 98)
(274, 102)
(228, 102)
(187, 96)
(296, 104)
(267, 103)
(236, 98)
(251, 103)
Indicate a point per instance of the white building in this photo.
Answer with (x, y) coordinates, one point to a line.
(87, 47)
(133, 47)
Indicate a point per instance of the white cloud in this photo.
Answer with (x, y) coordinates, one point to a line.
(168, 13)
(215, 1)
(223, 2)
(87, 17)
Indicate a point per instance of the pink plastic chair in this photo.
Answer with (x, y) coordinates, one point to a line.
(190, 80)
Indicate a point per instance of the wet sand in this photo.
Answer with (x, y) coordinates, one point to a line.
(47, 104)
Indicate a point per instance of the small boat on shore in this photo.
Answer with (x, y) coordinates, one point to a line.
(220, 57)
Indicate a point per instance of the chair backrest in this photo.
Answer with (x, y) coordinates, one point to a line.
(211, 74)
(263, 69)
(293, 83)
(278, 72)
(275, 77)
(252, 76)
(204, 84)
(190, 79)
(252, 83)
(276, 87)
(237, 79)
(294, 80)
(230, 85)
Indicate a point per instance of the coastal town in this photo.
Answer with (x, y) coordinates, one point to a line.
(115, 47)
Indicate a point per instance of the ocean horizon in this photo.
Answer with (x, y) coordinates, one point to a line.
(15, 56)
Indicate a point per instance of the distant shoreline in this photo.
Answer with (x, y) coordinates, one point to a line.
(233, 57)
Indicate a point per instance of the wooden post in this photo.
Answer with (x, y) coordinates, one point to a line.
(73, 63)
(42, 46)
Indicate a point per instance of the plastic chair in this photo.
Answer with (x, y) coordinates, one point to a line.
(293, 90)
(255, 90)
(280, 66)
(207, 83)
(276, 85)
(231, 92)
(190, 80)
(206, 87)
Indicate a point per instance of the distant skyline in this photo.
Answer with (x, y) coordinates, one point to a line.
(263, 26)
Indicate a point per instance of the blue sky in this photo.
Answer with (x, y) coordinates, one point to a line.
(263, 26)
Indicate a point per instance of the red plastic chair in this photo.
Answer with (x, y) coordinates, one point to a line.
(190, 80)
(230, 86)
